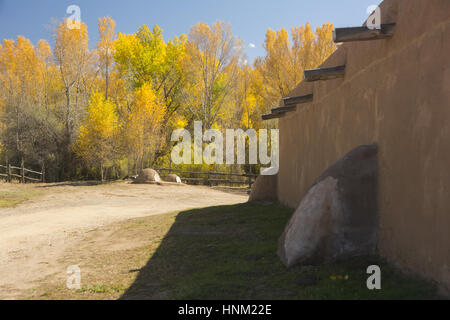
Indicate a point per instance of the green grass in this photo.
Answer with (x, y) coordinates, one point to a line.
(101, 288)
(16, 195)
(229, 252)
(223, 252)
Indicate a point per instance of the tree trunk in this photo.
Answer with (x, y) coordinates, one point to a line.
(106, 79)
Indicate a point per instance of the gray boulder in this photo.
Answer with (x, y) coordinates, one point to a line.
(337, 217)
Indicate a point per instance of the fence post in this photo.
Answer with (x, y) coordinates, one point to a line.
(22, 172)
(43, 173)
(8, 171)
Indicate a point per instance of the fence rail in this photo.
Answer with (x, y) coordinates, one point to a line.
(21, 175)
(210, 178)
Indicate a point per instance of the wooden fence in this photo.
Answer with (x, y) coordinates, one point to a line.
(211, 178)
(20, 173)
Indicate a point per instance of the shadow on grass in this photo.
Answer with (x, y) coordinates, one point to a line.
(229, 252)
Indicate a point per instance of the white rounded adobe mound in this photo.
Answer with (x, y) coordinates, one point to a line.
(173, 178)
(148, 176)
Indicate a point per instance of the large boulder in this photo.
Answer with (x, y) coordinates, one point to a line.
(148, 176)
(337, 217)
(173, 178)
(264, 188)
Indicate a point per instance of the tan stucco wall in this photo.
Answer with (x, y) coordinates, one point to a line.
(396, 93)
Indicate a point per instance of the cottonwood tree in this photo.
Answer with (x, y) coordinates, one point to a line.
(249, 102)
(74, 63)
(106, 30)
(144, 57)
(141, 129)
(282, 67)
(98, 133)
(212, 62)
(24, 97)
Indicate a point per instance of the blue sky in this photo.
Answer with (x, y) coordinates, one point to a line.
(249, 18)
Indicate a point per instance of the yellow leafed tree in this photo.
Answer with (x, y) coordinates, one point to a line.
(250, 103)
(98, 133)
(74, 60)
(282, 67)
(212, 66)
(141, 131)
(144, 57)
(106, 27)
(23, 96)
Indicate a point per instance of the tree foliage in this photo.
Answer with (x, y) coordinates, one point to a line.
(82, 111)
(286, 59)
(98, 133)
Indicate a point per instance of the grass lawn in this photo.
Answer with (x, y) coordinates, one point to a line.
(225, 252)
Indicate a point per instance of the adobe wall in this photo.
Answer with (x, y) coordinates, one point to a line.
(396, 93)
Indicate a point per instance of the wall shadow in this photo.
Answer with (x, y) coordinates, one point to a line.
(213, 253)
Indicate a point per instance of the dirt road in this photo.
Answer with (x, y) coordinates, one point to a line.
(35, 235)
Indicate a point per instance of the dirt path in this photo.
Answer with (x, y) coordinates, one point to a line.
(35, 235)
